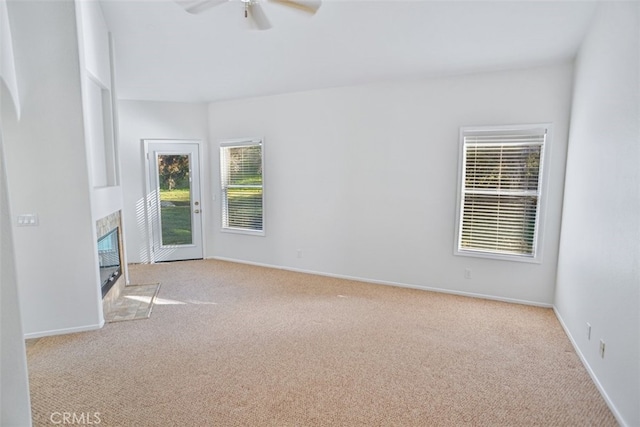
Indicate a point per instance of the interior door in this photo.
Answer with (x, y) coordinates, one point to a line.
(173, 200)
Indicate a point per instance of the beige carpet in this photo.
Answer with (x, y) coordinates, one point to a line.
(234, 345)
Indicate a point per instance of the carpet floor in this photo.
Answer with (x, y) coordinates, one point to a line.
(238, 345)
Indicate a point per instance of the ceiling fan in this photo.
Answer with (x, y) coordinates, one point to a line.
(252, 8)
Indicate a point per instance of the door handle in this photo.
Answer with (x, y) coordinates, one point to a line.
(196, 211)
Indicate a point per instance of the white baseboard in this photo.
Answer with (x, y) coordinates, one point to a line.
(592, 374)
(388, 283)
(64, 331)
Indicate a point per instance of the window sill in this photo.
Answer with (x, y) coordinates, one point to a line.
(499, 256)
(259, 233)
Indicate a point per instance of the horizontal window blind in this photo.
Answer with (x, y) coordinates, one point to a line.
(501, 191)
(242, 186)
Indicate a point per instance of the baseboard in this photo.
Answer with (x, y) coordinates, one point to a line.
(64, 331)
(592, 374)
(389, 283)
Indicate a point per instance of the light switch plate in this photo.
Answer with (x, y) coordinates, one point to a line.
(27, 220)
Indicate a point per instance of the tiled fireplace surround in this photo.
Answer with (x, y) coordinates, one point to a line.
(104, 226)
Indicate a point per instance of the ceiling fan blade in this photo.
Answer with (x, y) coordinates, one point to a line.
(198, 6)
(309, 6)
(257, 16)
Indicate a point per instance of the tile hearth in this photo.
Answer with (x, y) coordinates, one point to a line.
(134, 302)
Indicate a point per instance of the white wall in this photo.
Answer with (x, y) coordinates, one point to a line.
(94, 41)
(15, 409)
(363, 180)
(598, 271)
(141, 120)
(98, 91)
(56, 262)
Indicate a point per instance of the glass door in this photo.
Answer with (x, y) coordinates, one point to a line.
(174, 200)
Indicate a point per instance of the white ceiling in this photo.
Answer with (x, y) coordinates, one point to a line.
(164, 53)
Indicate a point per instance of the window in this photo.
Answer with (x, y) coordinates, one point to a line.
(500, 191)
(242, 186)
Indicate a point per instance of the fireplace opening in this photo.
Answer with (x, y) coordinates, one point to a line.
(109, 259)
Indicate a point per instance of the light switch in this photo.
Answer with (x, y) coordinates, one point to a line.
(27, 220)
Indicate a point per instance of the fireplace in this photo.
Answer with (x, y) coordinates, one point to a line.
(109, 259)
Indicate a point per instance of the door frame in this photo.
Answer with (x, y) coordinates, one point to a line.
(150, 198)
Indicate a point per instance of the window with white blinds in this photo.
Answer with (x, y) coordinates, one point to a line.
(500, 191)
(241, 164)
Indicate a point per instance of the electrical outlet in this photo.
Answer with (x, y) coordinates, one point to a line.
(602, 348)
(588, 331)
(300, 254)
(467, 273)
